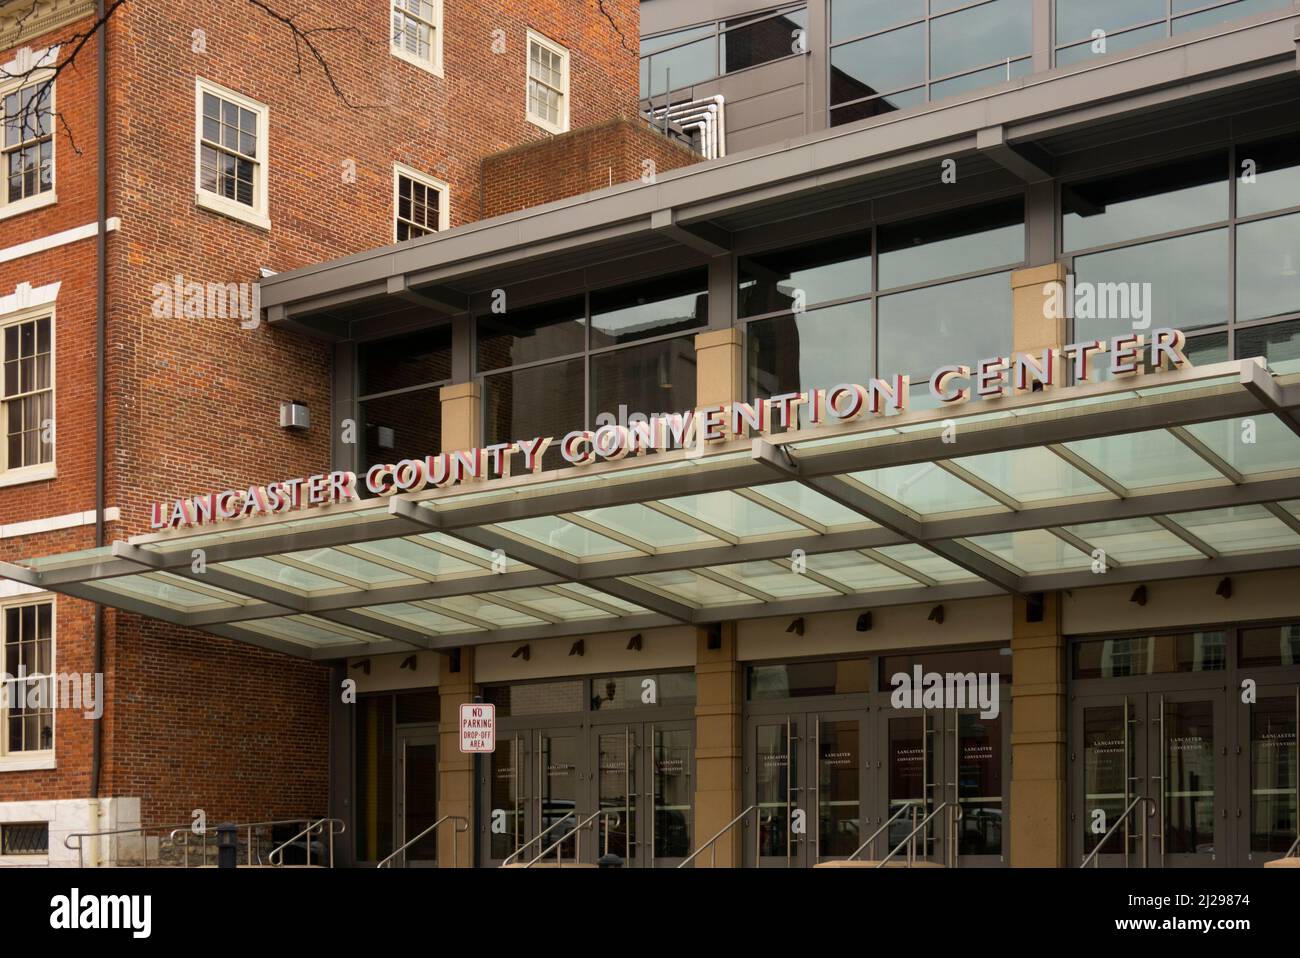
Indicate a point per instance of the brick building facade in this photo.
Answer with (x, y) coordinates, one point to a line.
(191, 401)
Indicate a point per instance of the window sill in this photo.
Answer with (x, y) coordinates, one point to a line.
(411, 58)
(28, 763)
(17, 477)
(544, 125)
(233, 210)
(48, 198)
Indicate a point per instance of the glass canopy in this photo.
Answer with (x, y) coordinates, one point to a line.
(1196, 473)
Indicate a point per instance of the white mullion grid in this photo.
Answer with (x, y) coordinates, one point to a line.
(31, 395)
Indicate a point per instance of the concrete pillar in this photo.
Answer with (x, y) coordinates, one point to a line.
(719, 366)
(719, 732)
(1038, 737)
(455, 769)
(462, 416)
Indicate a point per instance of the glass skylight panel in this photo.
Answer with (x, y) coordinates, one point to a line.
(1239, 529)
(1252, 445)
(857, 572)
(277, 573)
(695, 589)
(733, 514)
(309, 630)
(926, 489)
(564, 537)
(1134, 541)
(163, 592)
(479, 607)
(1033, 474)
(1034, 550)
(927, 563)
(808, 502)
(425, 560)
(440, 540)
(1142, 460)
(587, 592)
(553, 604)
(348, 565)
(648, 526)
(777, 579)
(421, 618)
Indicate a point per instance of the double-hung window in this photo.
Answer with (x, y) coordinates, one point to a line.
(27, 706)
(548, 84)
(231, 154)
(416, 34)
(26, 397)
(27, 146)
(420, 204)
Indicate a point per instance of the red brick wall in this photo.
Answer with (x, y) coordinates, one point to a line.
(577, 162)
(193, 720)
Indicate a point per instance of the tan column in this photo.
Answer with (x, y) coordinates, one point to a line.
(718, 736)
(719, 366)
(462, 416)
(1038, 737)
(455, 768)
(462, 420)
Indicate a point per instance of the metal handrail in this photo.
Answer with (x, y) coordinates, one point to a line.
(1294, 850)
(177, 835)
(540, 835)
(576, 830)
(180, 837)
(872, 837)
(955, 807)
(456, 830)
(276, 858)
(1141, 799)
(142, 829)
(713, 862)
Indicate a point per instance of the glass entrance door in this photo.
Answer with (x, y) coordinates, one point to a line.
(1268, 805)
(532, 783)
(1167, 747)
(643, 781)
(806, 773)
(911, 784)
(417, 797)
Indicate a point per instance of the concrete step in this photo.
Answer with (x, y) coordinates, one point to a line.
(1292, 862)
(892, 863)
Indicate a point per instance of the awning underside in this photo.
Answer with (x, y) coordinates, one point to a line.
(1169, 476)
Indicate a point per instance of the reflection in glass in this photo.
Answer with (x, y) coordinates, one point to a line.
(830, 270)
(673, 796)
(952, 243)
(762, 40)
(981, 78)
(512, 409)
(401, 361)
(854, 18)
(1217, 15)
(1268, 267)
(1276, 165)
(838, 785)
(616, 692)
(535, 332)
(1273, 811)
(405, 426)
(879, 64)
(1076, 19)
(774, 762)
(507, 796)
(682, 66)
(1105, 777)
(799, 679)
(1188, 277)
(1269, 646)
(876, 106)
(1279, 344)
(1188, 730)
(535, 698)
(1145, 202)
(559, 781)
(617, 793)
(374, 778)
(981, 35)
(910, 769)
(1115, 43)
(1150, 655)
(421, 800)
(656, 378)
(817, 348)
(959, 322)
(655, 307)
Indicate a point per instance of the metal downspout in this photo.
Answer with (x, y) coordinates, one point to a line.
(101, 292)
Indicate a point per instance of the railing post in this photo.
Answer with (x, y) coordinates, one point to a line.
(227, 845)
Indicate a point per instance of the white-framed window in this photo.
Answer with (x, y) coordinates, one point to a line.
(548, 84)
(230, 154)
(27, 660)
(420, 204)
(416, 33)
(26, 396)
(27, 144)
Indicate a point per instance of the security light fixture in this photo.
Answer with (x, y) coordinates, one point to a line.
(1225, 588)
(864, 622)
(936, 615)
(408, 663)
(295, 416)
(796, 626)
(1139, 595)
(578, 648)
(634, 643)
(520, 653)
(363, 665)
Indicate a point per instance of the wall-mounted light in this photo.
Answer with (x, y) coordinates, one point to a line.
(1225, 588)
(634, 643)
(295, 415)
(363, 665)
(713, 636)
(453, 661)
(1139, 595)
(936, 615)
(385, 437)
(578, 648)
(408, 663)
(1034, 607)
(796, 626)
(521, 653)
(864, 622)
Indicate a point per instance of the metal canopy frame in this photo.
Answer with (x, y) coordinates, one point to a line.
(507, 582)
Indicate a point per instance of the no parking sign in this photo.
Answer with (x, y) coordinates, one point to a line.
(478, 727)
